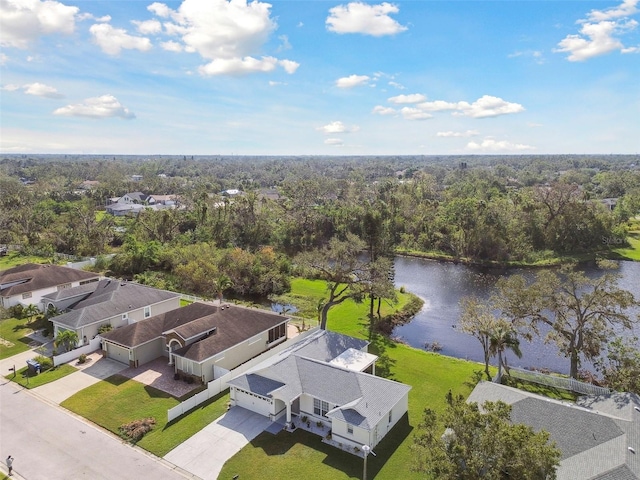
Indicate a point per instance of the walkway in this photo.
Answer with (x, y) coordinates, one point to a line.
(206, 452)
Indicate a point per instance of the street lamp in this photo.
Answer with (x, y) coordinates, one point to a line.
(367, 450)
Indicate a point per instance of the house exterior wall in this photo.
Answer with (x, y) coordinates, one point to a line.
(236, 355)
(384, 426)
(36, 296)
(340, 433)
(148, 351)
(306, 408)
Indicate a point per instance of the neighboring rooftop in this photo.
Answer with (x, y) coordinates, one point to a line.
(31, 277)
(594, 434)
(110, 298)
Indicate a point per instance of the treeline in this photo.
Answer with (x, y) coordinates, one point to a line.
(516, 211)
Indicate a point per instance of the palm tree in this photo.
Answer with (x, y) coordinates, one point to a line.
(31, 311)
(66, 338)
(503, 337)
(222, 283)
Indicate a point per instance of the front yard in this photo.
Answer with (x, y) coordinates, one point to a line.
(13, 335)
(45, 377)
(123, 400)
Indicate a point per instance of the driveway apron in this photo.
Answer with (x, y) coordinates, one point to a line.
(206, 452)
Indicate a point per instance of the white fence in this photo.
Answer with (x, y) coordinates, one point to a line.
(76, 352)
(214, 387)
(558, 382)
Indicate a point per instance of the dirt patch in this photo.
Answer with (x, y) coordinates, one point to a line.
(6, 343)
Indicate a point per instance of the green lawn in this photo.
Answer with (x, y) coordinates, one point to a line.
(47, 376)
(122, 400)
(12, 336)
(13, 259)
(633, 252)
(302, 454)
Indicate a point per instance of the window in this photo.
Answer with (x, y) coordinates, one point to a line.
(278, 332)
(26, 295)
(125, 316)
(320, 407)
(349, 429)
(390, 416)
(147, 312)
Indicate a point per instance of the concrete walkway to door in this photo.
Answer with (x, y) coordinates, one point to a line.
(206, 452)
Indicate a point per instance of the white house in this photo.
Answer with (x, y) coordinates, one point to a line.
(323, 379)
(27, 284)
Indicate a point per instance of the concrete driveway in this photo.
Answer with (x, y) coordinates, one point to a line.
(206, 452)
(96, 369)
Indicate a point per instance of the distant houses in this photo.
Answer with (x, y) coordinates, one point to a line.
(133, 202)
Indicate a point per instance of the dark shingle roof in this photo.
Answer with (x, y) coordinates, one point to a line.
(153, 327)
(234, 324)
(111, 298)
(34, 277)
(620, 473)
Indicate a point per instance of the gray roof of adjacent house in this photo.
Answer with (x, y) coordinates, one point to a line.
(593, 435)
(362, 398)
(234, 324)
(154, 327)
(31, 277)
(110, 298)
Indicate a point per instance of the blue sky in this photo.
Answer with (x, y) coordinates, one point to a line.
(204, 77)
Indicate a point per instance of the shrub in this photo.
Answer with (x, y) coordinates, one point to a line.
(134, 431)
(17, 311)
(82, 358)
(104, 328)
(45, 362)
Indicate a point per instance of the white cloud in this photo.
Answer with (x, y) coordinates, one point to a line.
(23, 21)
(289, 66)
(337, 127)
(438, 106)
(334, 141)
(228, 34)
(492, 145)
(352, 81)
(534, 125)
(411, 113)
(104, 106)
(89, 16)
(148, 27)
(397, 85)
(171, 46)
(41, 90)
(113, 40)
(411, 98)
(468, 133)
(358, 17)
(625, 9)
(246, 65)
(3, 58)
(599, 33)
(488, 106)
(10, 87)
(380, 110)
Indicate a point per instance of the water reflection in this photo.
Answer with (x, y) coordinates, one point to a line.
(443, 284)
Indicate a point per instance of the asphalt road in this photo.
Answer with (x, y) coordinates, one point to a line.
(48, 443)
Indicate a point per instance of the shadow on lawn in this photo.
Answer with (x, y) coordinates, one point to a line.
(350, 464)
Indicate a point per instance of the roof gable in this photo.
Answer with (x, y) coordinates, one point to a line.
(32, 277)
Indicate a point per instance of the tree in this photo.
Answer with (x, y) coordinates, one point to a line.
(478, 320)
(339, 264)
(31, 311)
(580, 312)
(220, 284)
(68, 339)
(482, 443)
(621, 367)
(503, 337)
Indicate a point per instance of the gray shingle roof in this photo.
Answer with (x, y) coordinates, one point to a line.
(111, 298)
(593, 435)
(362, 399)
(33, 277)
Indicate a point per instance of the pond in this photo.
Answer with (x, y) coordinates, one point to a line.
(442, 284)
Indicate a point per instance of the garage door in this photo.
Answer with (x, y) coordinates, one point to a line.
(252, 402)
(118, 353)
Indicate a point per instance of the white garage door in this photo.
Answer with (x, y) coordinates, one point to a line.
(118, 353)
(252, 402)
